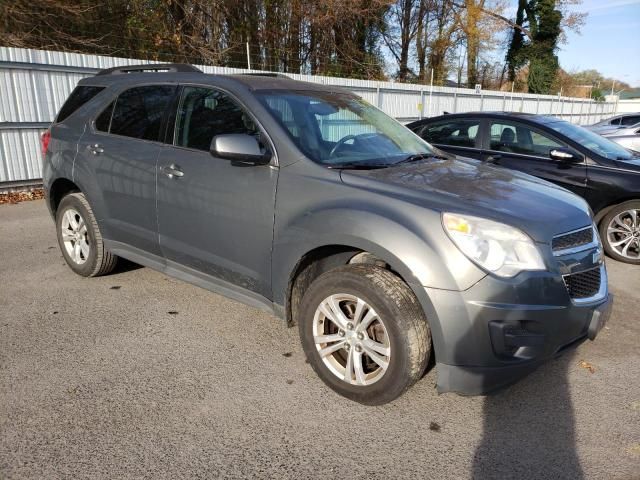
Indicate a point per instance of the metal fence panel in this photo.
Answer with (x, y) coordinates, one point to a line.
(35, 83)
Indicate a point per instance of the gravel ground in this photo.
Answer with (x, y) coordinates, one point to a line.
(136, 375)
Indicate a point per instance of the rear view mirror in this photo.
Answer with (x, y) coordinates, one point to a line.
(565, 155)
(239, 147)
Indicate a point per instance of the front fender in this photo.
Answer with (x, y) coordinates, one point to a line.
(426, 258)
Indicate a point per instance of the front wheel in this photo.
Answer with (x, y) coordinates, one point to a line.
(620, 232)
(364, 333)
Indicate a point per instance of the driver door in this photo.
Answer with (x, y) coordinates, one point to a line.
(215, 216)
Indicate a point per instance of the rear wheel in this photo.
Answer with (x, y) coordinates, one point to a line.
(620, 232)
(364, 333)
(80, 239)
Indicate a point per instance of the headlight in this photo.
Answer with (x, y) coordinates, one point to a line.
(496, 247)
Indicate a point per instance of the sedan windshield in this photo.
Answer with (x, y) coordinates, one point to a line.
(592, 141)
(340, 129)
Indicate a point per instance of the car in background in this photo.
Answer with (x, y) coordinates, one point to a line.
(612, 123)
(604, 173)
(628, 137)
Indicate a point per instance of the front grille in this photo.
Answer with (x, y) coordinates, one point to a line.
(584, 284)
(573, 239)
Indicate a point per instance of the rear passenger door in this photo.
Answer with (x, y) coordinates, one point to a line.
(215, 216)
(118, 154)
(523, 147)
(458, 136)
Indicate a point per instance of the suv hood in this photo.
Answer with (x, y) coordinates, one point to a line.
(535, 206)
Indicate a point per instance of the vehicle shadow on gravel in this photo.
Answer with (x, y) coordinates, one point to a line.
(124, 266)
(529, 428)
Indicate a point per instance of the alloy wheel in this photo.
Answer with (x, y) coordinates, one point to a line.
(623, 234)
(75, 236)
(351, 339)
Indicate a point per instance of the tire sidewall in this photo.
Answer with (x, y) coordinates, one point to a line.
(393, 382)
(604, 224)
(72, 202)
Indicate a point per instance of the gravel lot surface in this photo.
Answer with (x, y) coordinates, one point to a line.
(136, 375)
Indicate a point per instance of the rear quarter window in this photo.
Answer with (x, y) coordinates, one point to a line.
(80, 95)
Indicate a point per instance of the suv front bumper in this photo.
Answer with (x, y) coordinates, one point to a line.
(519, 324)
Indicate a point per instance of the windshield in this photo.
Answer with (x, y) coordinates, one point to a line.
(337, 129)
(592, 141)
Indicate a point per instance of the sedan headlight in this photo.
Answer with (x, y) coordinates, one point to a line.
(496, 247)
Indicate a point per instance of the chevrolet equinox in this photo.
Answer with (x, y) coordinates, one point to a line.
(308, 202)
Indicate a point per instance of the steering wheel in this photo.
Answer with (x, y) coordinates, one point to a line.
(339, 144)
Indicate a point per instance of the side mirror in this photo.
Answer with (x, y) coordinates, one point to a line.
(239, 147)
(565, 155)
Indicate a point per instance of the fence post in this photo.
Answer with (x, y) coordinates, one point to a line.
(504, 102)
(537, 104)
(378, 97)
(430, 92)
(571, 111)
(455, 102)
(481, 100)
(421, 104)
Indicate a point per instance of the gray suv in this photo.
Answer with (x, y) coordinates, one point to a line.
(306, 201)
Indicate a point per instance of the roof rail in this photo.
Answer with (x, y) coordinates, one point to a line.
(266, 74)
(153, 67)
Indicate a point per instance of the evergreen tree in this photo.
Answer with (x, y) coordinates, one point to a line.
(538, 47)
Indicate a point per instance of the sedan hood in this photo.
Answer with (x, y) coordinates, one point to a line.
(468, 186)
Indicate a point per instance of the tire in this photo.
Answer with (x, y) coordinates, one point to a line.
(81, 242)
(398, 334)
(619, 225)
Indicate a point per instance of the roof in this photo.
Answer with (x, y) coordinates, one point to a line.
(531, 117)
(183, 74)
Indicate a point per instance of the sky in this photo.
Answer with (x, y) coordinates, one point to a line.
(609, 41)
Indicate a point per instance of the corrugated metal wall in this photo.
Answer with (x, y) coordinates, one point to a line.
(34, 84)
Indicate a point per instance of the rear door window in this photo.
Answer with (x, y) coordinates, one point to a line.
(139, 111)
(80, 95)
(518, 138)
(456, 133)
(631, 120)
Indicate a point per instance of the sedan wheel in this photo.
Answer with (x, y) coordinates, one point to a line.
(620, 232)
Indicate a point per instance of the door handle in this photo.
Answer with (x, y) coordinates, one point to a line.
(173, 171)
(494, 158)
(96, 149)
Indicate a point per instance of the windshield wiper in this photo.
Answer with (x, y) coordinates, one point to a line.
(421, 156)
(358, 165)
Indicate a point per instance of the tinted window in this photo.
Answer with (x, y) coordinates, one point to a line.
(630, 120)
(615, 121)
(516, 138)
(78, 97)
(138, 112)
(104, 119)
(204, 113)
(458, 133)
